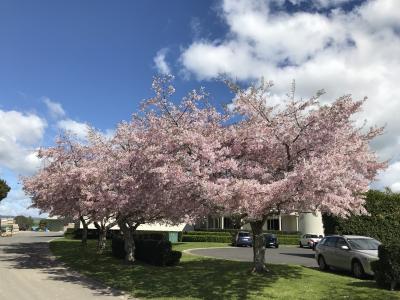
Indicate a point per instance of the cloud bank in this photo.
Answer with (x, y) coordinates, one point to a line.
(353, 51)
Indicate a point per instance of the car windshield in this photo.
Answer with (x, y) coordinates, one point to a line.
(244, 234)
(313, 236)
(363, 244)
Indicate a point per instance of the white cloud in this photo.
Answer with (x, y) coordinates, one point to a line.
(160, 63)
(344, 52)
(391, 177)
(19, 136)
(17, 203)
(55, 109)
(81, 130)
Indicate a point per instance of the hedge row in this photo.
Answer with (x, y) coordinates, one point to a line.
(154, 252)
(234, 231)
(381, 222)
(289, 240)
(205, 233)
(207, 238)
(387, 268)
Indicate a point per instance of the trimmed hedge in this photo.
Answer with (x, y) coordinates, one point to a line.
(382, 221)
(206, 233)
(207, 238)
(69, 233)
(154, 252)
(387, 268)
(288, 241)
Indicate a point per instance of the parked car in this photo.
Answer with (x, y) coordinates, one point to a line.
(243, 238)
(309, 240)
(271, 240)
(348, 252)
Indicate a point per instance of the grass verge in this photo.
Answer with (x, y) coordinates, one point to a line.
(203, 278)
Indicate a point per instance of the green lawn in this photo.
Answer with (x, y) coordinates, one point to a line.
(204, 278)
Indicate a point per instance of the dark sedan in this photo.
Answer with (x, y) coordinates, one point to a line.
(271, 240)
(243, 238)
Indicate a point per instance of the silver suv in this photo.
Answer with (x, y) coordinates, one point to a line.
(348, 252)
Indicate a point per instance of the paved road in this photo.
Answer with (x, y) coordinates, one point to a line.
(282, 255)
(29, 272)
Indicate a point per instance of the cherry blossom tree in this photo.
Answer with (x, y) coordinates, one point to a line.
(160, 159)
(56, 188)
(300, 156)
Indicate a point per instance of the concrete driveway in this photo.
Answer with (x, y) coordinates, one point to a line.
(282, 255)
(29, 272)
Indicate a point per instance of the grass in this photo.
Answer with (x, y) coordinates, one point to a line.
(203, 278)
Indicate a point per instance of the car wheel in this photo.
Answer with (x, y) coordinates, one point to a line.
(322, 264)
(358, 270)
(300, 245)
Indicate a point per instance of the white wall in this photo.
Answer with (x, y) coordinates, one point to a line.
(311, 223)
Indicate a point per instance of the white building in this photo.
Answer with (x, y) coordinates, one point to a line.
(293, 222)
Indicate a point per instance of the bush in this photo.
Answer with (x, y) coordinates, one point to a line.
(117, 247)
(154, 252)
(205, 233)
(381, 223)
(207, 238)
(387, 268)
(69, 233)
(288, 240)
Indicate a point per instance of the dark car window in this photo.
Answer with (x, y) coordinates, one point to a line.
(363, 244)
(270, 235)
(331, 241)
(314, 236)
(322, 242)
(341, 242)
(243, 234)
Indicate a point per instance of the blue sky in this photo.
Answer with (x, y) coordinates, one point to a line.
(66, 63)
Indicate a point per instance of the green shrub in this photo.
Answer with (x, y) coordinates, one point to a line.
(387, 268)
(69, 233)
(205, 233)
(154, 252)
(207, 238)
(288, 240)
(382, 221)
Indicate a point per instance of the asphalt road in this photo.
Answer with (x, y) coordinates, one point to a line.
(282, 255)
(29, 272)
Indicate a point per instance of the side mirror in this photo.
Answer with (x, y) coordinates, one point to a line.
(344, 247)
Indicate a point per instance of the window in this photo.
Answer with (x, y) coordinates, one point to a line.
(341, 242)
(323, 241)
(331, 241)
(273, 224)
(363, 244)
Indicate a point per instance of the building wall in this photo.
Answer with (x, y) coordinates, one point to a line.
(311, 223)
(289, 223)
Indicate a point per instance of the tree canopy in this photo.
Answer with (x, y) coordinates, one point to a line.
(4, 189)
(178, 161)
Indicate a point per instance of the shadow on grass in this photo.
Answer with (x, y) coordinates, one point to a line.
(192, 278)
(36, 255)
(306, 255)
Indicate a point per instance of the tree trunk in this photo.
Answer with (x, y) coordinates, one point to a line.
(102, 239)
(129, 243)
(258, 247)
(84, 232)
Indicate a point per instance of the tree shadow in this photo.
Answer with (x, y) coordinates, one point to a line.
(306, 255)
(37, 256)
(194, 277)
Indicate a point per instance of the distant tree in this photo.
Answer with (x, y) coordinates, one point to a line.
(23, 222)
(4, 189)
